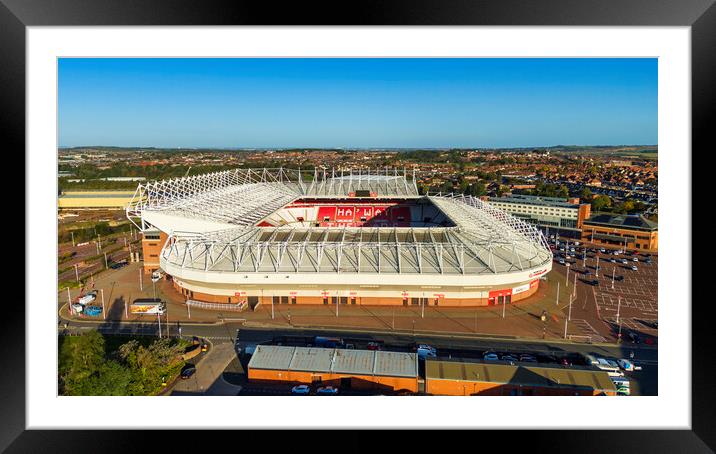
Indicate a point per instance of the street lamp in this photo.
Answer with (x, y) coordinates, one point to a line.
(568, 274)
(619, 322)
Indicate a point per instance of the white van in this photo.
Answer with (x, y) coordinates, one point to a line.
(611, 367)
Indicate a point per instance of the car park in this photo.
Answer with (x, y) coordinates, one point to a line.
(301, 390)
(327, 391)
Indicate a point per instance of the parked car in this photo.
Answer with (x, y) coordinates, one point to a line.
(602, 250)
(634, 337)
(374, 346)
(636, 259)
(511, 358)
(302, 390)
(327, 391)
(490, 356)
(634, 268)
(561, 261)
(624, 261)
(188, 372)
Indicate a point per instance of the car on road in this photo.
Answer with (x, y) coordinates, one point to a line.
(634, 268)
(301, 390)
(528, 358)
(188, 372)
(327, 391)
(634, 337)
(490, 356)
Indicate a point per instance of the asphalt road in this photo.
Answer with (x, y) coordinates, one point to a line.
(455, 346)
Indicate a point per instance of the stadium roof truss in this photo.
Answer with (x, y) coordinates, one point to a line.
(483, 240)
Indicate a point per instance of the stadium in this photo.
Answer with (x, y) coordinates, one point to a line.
(245, 237)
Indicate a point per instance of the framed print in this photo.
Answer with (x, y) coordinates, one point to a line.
(444, 216)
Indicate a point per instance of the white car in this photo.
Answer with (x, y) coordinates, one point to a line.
(634, 268)
(636, 259)
(561, 261)
(627, 365)
(624, 261)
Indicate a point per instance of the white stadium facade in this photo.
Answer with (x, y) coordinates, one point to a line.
(248, 236)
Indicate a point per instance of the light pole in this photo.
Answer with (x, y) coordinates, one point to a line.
(159, 324)
(575, 285)
(584, 258)
(73, 238)
(597, 269)
(567, 274)
(503, 307)
(77, 274)
(613, 271)
(105, 261)
(556, 303)
(619, 322)
(141, 286)
(188, 308)
(154, 289)
(422, 306)
(104, 313)
(569, 317)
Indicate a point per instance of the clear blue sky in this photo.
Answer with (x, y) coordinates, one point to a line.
(357, 102)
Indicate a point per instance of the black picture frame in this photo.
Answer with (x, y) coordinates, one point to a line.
(700, 15)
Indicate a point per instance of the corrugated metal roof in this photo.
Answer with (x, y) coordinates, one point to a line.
(272, 357)
(354, 362)
(517, 375)
(357, 362)
(396, 364)
(312, 359)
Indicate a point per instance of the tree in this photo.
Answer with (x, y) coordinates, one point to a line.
(586, 194)
(601, 202)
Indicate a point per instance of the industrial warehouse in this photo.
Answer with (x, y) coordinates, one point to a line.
(246, 236)
(387, 371)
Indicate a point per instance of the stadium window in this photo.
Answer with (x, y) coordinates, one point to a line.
(326, 218)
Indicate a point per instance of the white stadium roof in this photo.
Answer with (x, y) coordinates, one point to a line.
(211, 220)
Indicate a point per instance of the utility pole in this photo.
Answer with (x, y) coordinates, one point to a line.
(104, 313)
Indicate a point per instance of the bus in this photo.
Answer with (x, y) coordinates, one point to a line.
(148, 306)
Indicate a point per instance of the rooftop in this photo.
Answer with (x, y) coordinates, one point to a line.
(634, 221)
(518, 374)
(334, 360)
(535, 200)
